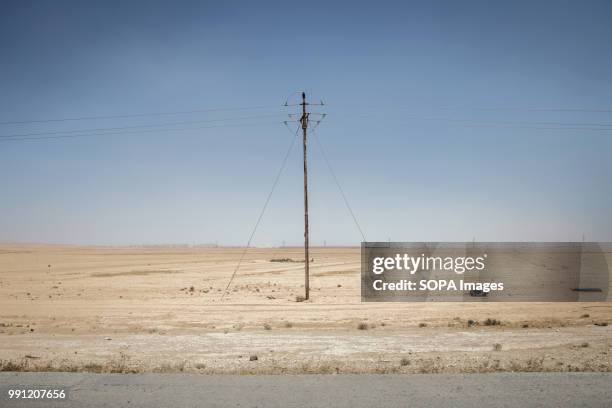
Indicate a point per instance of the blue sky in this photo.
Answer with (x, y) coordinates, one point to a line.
(446, 120)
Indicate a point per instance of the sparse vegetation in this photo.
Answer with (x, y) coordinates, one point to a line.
(422, 324)
(93, 368)
(300, 298)
(120, 365)
(363, 326)
(413, 362)
(171, 367)
(267, 326)
(497, 347)
(492, 322)
(10, 365)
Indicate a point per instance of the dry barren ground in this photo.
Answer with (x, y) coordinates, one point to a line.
(160, 309)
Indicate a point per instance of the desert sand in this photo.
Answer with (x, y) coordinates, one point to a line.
(129, 309)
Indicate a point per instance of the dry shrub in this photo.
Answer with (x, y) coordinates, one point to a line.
(10, 365)
(93, 368)
(171, 367)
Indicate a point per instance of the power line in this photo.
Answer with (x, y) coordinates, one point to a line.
(263, 210)
(69, 134)
(511, 126)
(491, 109)
(137, 115)
(586, 110)
(227, 109)
(561, 125)
(135, 132)
(597, 126)
(59, 132)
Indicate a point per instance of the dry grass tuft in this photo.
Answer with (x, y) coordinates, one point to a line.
(363, 326)
(492, 322)
(171, 367)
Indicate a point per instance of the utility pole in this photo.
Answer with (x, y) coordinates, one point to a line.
(304, 122)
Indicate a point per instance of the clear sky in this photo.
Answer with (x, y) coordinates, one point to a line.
(447, 120)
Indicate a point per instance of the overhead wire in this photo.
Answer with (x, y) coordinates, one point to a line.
(519, 124)
(136, 115)
(136, 132)
(537, 125)
(59, 132)
(480, 108)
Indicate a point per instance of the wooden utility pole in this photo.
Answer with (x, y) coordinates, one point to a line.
(304, 122)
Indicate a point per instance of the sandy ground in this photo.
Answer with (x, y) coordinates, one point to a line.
(160, 309)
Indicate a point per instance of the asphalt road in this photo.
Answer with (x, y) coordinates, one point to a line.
(424, 390)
